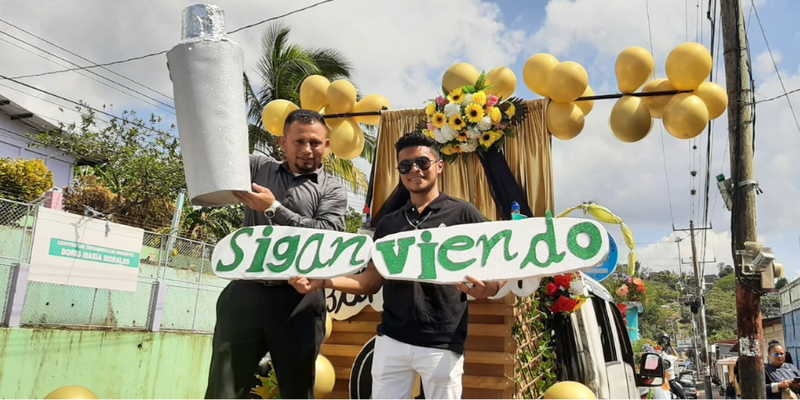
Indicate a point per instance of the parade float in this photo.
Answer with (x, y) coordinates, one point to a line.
(498, 149)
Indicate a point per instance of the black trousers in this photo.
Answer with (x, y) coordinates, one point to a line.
(253, 319)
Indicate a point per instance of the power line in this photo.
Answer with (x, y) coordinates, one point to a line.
(663, 152)
(83, 58)
(91, 72)
(774, 64)
(785, 94)
(164, 51)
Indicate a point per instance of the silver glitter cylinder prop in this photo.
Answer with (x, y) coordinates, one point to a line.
(206, 70)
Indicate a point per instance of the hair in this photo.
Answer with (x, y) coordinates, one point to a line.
(416, 139)
(305, 117)
(772, 345)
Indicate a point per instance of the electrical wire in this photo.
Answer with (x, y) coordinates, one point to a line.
(142, 57)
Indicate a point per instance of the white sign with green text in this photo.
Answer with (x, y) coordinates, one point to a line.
(281, 252)
(76, 250)
(491, 251)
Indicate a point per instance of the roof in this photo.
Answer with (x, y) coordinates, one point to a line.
(728, 341)
(24, 116)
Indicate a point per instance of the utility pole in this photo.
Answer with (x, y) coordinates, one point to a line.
(701, 313)
(743, 213)
(694, 325)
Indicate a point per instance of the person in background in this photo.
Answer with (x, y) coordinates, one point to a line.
(257, 317)
(779, 375)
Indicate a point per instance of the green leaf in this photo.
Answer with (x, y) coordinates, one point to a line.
(469, 89)
(479, 85)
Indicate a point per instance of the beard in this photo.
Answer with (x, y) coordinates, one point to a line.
(305, 167)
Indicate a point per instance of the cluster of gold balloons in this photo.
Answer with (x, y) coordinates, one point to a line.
(319, 94)
(326, 374)
(502, 80)
(685, 115)
(562, 83)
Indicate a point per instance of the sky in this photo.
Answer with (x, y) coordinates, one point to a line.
(400, 49)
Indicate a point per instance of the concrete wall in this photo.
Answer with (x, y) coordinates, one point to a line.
(113, 364)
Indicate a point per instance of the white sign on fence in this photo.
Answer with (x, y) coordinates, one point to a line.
(76, 250)
(489, 251)
(281, 252)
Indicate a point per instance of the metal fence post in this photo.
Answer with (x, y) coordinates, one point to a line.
(157, 306)
(17, 290)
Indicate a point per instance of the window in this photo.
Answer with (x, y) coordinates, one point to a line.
(606, 334)
(624, 339)
(570, 367)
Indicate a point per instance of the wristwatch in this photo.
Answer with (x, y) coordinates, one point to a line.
(270, 212)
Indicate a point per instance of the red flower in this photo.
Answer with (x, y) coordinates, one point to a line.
(551, 289)
(564, 304)
(563, 280)
(623, 308)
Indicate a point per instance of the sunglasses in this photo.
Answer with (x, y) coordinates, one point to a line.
(405, 166)
(779, 354)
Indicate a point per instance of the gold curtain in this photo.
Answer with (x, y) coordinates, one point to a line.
(528, 156)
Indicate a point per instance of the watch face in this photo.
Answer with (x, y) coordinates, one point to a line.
(269, 213)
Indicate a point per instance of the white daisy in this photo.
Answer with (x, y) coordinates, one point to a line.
(485, 124)
(438, 136)
(467, 99)
(448, 133)
(469, 146)
(451, 109)
(474, 133)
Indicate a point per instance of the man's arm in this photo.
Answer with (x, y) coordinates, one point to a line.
(367, 282)
(330, 213)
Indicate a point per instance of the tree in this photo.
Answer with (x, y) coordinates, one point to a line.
(781, 283)
(24, 180)
(139, 165)
(724, 270)
(211, 224)
(282, 68)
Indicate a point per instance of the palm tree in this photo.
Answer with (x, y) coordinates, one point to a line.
(282, 68)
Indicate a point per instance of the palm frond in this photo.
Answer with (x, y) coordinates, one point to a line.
(347, 172)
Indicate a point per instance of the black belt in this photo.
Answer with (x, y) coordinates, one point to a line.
(273, 283)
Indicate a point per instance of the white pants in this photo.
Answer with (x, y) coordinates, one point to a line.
(395, 366)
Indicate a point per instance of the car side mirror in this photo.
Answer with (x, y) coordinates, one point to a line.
(651, 371)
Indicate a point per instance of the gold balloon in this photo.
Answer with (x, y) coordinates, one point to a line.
(656, 104)
(345, 139)
(569, 390)
(314, 92)
(536, 72)
(341, 97)
(688, 65)
(634, 66)
(630, 119)
(373, 102)
(685, 116)
(274, 115)
(459, 75)
(328, 325)
(564, 120)
(715, 97)
(567, 81)
(71, 392)
(504, 81)
(586, 105)
(325, 376)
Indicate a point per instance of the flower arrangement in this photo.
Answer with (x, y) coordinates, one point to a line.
(635, 292)
(468, 119)
(563, 293)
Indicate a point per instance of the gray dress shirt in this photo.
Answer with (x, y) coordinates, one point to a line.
(313, 200)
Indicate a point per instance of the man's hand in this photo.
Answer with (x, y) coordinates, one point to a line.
(305, 286)
(480, 289)
(259, 201)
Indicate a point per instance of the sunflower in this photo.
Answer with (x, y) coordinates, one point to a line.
(511, 110)
(456, 96)
(479, 98)
(430, 109)
(462, 136)
(429, 133)
(496, 115)
(448, 150)
(474, 113)
(457, 122)
(438, 119)
(487, 139)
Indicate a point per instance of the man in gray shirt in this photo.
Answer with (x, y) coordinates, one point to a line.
(256, 317)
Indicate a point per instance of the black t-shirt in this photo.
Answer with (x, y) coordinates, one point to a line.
(426, 314)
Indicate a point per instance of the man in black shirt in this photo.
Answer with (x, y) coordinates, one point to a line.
(256, 317)
(424, 325)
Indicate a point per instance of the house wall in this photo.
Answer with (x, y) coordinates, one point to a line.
(16, 145)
